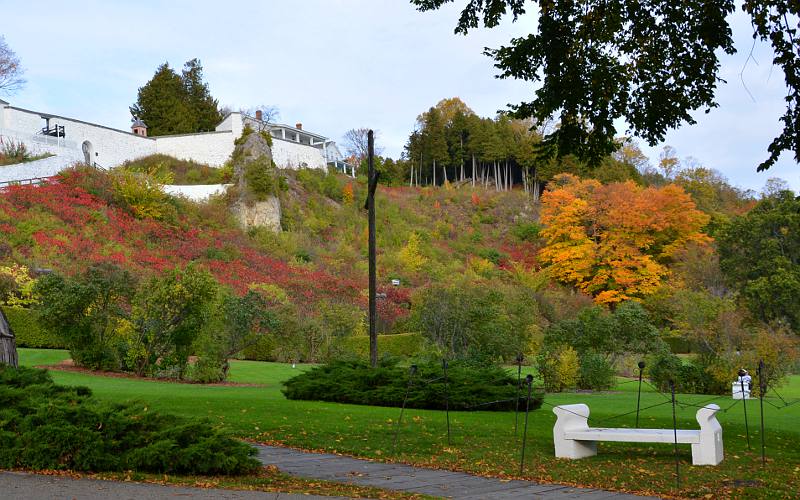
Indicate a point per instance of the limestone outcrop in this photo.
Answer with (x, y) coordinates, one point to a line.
(256, 205)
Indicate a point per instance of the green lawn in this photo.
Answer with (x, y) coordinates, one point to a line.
(483, 442)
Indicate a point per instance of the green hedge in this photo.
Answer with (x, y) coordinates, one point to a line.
(263, 350)
(28, 332)
(470, 387)
(48, 426)
(402, 344)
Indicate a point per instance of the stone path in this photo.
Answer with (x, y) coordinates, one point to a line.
(419, 480)
(22, 486)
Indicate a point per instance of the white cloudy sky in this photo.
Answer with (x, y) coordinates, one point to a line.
(334, 65)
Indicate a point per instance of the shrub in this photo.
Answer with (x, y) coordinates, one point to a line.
(526, 231)
(16, 286)
(46, 426)
(596, 372)
(356, 382)
(261, 179)
(185, 172)
(142, 193)
(559, 367)
(471, 317)
(262, 350)
(399, 345)
(627, 330)
(28, 332)
(688, 377)
(169, 313)
(85, 311)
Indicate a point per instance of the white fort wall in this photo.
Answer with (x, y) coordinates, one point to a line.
(109, 147)
(212, 148)
(289, 154)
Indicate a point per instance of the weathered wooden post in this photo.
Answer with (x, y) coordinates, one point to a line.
(370, 206)
(8, 343)
(762, 388)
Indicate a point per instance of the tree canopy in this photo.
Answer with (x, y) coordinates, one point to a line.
(651, 63)
(760, 256)
(612, 241)
(177, 104)
(10, 70)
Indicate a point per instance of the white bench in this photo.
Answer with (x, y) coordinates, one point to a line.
(573, 438)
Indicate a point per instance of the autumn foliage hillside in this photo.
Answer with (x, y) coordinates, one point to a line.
(317, 265)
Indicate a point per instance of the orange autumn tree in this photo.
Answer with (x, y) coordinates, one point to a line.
(613, 241)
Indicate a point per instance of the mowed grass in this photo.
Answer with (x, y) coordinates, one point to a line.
(485, 442)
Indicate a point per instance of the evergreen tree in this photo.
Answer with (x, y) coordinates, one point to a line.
(435, 143)
(177, 104)
(204, 107)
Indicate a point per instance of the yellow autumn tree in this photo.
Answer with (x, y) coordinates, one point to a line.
(613, 241)
(411, 255)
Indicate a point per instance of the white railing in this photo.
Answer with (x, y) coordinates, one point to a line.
(39, 143)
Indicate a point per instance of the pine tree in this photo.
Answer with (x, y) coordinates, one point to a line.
(204, 107)
(177, 104)
(436, 145)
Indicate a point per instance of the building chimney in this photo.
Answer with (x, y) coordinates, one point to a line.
(258, 115)
(139, 127)
(299, 126)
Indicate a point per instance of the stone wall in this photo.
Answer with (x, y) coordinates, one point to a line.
(212, 148)
(199, 192)
(289, 154)
(110, 147)
(46, 167)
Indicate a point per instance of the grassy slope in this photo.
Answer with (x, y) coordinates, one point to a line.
(483, 442)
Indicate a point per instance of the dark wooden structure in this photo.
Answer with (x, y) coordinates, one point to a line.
(8, 343)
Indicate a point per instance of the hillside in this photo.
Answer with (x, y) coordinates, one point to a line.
(317, 265)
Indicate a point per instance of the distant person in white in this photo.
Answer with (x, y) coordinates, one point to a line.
(744, 377)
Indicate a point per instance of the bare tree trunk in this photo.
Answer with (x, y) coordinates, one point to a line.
(462, 157)
(444, 171)
(434, 172)
(473, 170)
(8, 343)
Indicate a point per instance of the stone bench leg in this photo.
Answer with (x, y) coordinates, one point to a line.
(572, 418)
(709, 450)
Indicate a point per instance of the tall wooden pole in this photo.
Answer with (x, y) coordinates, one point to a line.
(373, 184)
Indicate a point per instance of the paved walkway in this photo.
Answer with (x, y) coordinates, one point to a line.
(21, 486)
(419, 480)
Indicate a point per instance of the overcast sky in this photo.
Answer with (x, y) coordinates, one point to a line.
(338, 64)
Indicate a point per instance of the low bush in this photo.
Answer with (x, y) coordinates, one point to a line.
(688, 377)
(47, 426)
(596, 372)
(526, 231)
(185, 172)
(405, 345)
(28, 332)
(355, 382)
(262, 350)
(559, 367)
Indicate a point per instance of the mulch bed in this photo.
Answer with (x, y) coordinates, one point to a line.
(68, 366)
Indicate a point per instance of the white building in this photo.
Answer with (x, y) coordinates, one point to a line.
(71, 140)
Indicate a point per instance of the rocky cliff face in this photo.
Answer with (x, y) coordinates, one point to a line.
(259, 214)
(265, 210)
